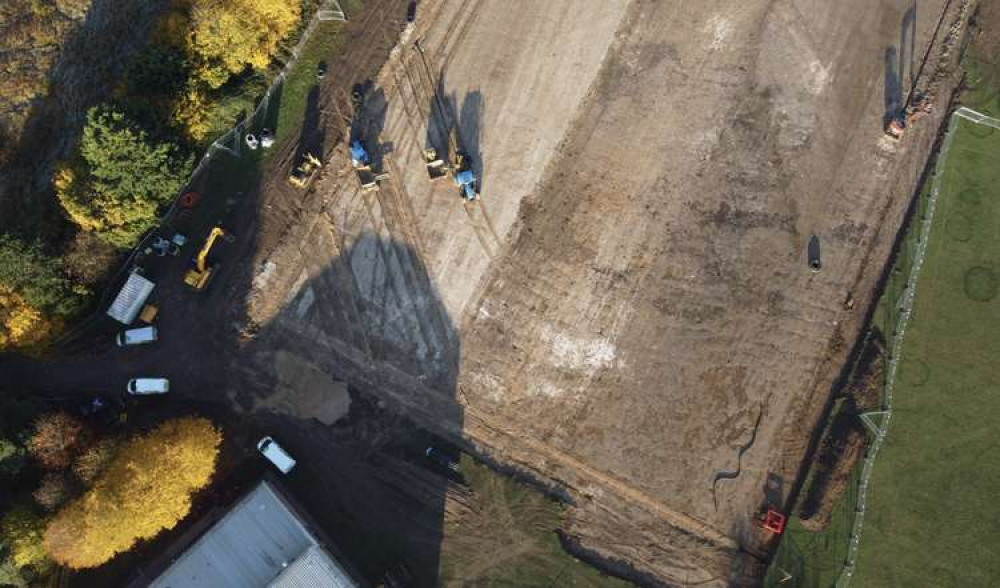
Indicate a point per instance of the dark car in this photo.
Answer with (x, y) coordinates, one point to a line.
(441, 458)
(321, 70)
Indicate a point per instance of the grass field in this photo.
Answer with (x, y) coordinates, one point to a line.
(508, 539)
(932, 517)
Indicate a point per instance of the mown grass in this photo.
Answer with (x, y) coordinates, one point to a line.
(509, 539)
(931, 513)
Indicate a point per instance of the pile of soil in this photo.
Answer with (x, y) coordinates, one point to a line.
(844, 440)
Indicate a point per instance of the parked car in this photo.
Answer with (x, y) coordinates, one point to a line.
(138, 336)
(441, 458)
(270, 449)
(266, 139)
(321, 70)
(398, 577)
(145, 386)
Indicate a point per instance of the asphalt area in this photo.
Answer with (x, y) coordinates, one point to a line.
(627, 312)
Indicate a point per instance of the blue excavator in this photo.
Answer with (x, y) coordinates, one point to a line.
(464, 177)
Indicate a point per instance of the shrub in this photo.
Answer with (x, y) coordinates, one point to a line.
(145, 489)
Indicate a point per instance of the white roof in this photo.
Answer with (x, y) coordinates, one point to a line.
(130, 299)
(260, 543)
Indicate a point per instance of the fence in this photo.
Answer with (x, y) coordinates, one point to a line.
(903, 307)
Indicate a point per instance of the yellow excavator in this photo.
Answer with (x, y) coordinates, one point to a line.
(198, 276)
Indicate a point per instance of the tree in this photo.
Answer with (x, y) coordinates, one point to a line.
(93, 460)
(22, 531)
(37, 278)
(11, 458)
(53, 491)
(145, 489)
(227, 36)
(56, 439)
(120, 180)
(21, 325)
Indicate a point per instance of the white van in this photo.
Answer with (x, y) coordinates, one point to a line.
(137, 336)
(270, 449)
(143, 386)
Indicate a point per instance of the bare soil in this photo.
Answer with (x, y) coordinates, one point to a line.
(844, 440)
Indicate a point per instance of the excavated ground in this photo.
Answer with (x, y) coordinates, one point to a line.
(628, 310)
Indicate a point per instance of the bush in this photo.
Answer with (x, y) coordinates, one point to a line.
(145, 489)
(119, 181)
(56, 439)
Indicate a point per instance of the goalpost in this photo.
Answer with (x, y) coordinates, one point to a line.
(332, 11)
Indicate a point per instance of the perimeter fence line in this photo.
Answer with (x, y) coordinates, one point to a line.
(894, 347)
(229, 142)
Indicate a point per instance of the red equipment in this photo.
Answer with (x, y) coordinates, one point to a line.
(773, 521)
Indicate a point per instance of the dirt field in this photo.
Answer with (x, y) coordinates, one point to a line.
(627, 310)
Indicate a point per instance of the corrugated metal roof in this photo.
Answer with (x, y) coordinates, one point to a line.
(130, 299)
(314, 568)
(258, 540)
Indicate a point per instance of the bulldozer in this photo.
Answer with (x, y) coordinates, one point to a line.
(198, 277)
(304, 172)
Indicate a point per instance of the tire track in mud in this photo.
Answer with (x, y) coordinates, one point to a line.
(733, 474)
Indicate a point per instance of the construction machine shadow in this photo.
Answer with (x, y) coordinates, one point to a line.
(452, 146)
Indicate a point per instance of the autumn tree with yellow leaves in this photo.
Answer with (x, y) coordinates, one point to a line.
(145, 489)
(227, 36)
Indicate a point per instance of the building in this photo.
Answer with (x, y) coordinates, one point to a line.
(262, 542)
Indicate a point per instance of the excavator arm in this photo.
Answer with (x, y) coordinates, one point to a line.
(203, 254)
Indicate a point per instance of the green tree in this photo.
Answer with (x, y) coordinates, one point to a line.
(120, 180)
(22, 531)
(37, 278)
(145, 489)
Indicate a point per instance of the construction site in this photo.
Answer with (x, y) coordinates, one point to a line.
(622, 249)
